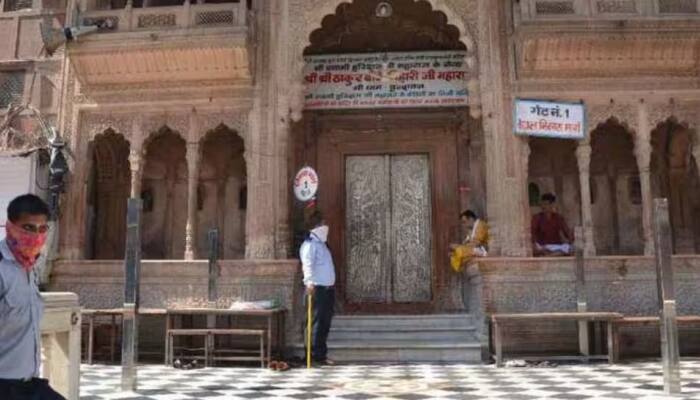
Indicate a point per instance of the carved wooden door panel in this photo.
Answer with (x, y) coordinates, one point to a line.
(388, 229)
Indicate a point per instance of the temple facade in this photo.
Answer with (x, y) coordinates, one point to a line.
(200, 108)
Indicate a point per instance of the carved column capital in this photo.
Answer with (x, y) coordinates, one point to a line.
(192, 156)
(136, 166)
(583, 156)
(696, 156)
(296, 101)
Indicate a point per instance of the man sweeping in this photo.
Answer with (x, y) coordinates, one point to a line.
(319, 280)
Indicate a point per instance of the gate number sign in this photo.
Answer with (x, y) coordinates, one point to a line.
(305, 184)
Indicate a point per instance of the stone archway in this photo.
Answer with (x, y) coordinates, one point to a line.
(552, 168)
(615, 182)
(222, 192)
(108, 190)
(309, 15)
(674, 177)
(418, 143)
(164, 194)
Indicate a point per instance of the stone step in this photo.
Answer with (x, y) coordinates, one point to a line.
(406, 333)
(397, 322)
(402, 338)
(401, 351)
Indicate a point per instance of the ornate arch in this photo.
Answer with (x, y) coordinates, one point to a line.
(307, 16)
(96, 123)
(178, 123)
(153, 134)
(621, 113)
(237, 122)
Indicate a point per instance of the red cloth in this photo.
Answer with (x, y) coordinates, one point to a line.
(550, 229)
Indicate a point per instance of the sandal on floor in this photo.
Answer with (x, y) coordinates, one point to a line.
(282, 366)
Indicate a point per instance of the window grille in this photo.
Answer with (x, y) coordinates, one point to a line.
(11, 88)
(554, 7)
(678, 6)
(224, 17)
(16, 5)
(616, 7)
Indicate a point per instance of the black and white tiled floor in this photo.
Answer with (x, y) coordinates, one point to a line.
(641, 380)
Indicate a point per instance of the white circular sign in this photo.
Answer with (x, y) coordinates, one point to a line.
(305, 184)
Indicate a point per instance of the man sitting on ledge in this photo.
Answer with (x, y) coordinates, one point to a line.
(475, 243)
(550, 234)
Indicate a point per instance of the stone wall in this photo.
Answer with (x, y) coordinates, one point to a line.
(172, 284)
(617, 284)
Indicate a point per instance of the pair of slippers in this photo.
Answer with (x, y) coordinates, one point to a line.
(278, 366)
(193, 365)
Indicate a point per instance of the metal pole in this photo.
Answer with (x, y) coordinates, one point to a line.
(213, 238)
(309, 316)
(581, 298)
(214, 272)
(132, 273)
(670, 354)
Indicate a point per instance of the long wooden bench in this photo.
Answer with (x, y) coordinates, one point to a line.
(651, 320)
(501, 321)
(209, 335)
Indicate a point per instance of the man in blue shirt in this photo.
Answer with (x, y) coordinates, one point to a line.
(21, 306)
(319, 280)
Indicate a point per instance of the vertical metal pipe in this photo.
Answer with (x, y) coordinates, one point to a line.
(132, 273)
(670, 353)
(581, 298)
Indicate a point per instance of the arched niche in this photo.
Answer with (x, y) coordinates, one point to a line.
(222, 192)
(109, 185)
(674, 177)
(164, 191)
(617, 206)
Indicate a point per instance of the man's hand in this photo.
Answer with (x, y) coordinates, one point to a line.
(310, 289)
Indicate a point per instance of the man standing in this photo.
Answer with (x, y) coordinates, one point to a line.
(319, 279)
(21, 306)
(551, 235)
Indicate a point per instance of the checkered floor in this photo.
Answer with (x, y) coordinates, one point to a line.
(404, 382)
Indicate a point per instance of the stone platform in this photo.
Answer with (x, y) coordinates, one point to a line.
(616, 284)
(172, 284)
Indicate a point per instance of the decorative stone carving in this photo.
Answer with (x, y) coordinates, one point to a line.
(94, 124)
(177, 121)
(193, 157)
(585, 56)
(658, 114)
(624, 113)
(236, 120)
(306, 16)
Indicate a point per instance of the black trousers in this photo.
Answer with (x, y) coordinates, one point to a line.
(35, 389)
(323, 304)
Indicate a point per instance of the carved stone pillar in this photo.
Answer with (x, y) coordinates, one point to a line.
(583, 158)
(136, 165)
(136, 158)
(192, 181)
(642, 152)
(696, 156)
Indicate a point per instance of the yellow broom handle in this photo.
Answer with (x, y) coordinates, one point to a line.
(308, 331)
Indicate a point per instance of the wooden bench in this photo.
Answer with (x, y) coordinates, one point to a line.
(209, 336)
(172, 333)
(650, 320)
(500, 321)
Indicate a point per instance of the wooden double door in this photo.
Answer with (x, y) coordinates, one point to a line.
(390, 196)
(388, 230)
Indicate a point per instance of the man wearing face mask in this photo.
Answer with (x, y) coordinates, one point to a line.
(319, 279)
(21, 306)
